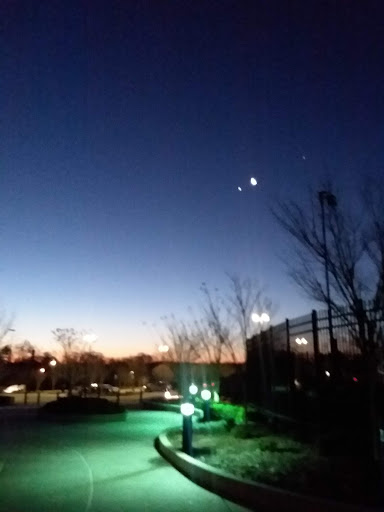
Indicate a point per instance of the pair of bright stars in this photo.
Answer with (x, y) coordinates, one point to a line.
(252, 181)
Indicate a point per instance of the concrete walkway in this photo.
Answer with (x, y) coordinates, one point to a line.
(94, 468)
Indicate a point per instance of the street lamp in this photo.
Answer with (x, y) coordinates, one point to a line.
(329, 199)
(40, 377)
(262, 319)
(53, 364)
(187, 410)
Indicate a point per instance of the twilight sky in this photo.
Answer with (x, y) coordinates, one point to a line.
(126, 128)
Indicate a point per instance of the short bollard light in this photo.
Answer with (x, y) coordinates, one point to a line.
(187, 411)
(206, 396)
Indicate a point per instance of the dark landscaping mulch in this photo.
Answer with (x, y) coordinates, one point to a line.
(255, 454)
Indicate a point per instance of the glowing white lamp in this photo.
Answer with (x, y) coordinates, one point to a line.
(206, 394)
(193, 389)
(187, 409)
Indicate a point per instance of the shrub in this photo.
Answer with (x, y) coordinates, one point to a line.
(78, 405)
(278, 444)
(249, 431)
(232, 414)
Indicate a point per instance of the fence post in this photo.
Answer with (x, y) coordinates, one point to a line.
(271, 369)
(316, 350)
(290, 356)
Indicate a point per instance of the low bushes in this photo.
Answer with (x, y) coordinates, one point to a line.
(82, 406)
(232, 414)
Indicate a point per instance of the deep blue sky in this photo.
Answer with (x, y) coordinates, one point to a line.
(126, 128)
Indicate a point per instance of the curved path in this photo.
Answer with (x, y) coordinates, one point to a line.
(94, 467)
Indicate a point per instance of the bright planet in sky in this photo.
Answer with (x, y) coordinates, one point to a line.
(253, 182)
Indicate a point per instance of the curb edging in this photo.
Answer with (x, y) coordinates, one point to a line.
(261, 497)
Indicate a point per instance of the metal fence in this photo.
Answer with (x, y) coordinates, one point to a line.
(296, 354)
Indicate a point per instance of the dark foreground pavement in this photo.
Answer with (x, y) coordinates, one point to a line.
(109, 467)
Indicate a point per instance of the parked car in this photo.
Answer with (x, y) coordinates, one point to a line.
(103, 389)
(156, 386)
(14, 388)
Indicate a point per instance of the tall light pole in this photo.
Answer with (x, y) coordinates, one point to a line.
(329, 199)
(261, 320)
(53, 364)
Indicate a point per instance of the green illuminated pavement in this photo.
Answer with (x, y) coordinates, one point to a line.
(94, 468)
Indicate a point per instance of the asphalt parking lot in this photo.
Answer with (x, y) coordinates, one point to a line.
(109, 467)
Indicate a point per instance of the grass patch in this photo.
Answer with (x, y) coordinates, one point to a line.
(256, 453)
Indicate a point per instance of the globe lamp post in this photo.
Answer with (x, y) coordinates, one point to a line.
(53, 364)
(260, 320)
(193, 392)
(187, 410)
(206, 396)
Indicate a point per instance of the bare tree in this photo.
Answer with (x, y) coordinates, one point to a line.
(6, 354)
(6, 323)
(340, 262)
(215, 329)
(245, 298)
(181, 340)
(93, 367)
(72, 345)
(25, 350)
(348, 248)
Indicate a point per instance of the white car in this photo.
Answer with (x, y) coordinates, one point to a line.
(14, 388)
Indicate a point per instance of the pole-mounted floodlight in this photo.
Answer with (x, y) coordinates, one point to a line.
(53, 362)
(187, 411)
(193, 389)
(42, 370)
(264, 318)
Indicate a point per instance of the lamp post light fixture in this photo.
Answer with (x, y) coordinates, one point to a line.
(206, 396)
(53, 364)
(187, 410)
(327, 198)
(301, 341)
(39, 380)
(193, 390)
(262, 319)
